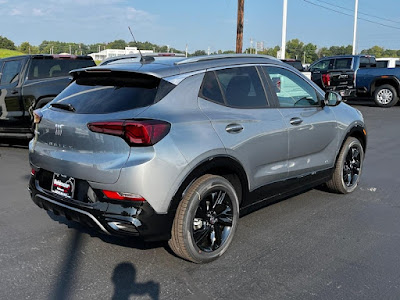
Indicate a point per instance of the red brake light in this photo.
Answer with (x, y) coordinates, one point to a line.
(33, 172)
(326, 79)
(123, 196)
(134, 132)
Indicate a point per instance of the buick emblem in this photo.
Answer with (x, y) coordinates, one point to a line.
(58, 130)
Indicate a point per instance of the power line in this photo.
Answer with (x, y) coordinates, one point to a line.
(343, 13)
(361, 13)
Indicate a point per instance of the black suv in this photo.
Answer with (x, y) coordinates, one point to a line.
(28, 82)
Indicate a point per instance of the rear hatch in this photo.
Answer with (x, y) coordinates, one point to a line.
(64, 144)
(341, 79)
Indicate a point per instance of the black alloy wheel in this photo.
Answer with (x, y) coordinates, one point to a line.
(213, 220)
(348, 167)
(352, 166)
(206, 219)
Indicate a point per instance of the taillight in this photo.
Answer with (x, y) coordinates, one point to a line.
(33, 172)
(326, 79)
(134, 132)
(123, 196)
(37, 116)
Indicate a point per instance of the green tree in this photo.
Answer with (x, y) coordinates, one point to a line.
(5, 43)
(117, 44)
(309, 53)
(199, 53)
(377, 51)
(294, 49)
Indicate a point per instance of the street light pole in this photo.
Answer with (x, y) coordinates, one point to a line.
(355, 27)
(284, 21)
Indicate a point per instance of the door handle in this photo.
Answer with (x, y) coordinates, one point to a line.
(296, 121)
(13, 92)
(234, 128)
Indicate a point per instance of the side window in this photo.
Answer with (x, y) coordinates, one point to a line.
(322, 65)
(242, 87)
(342, 63)
(10, 72)
(291, 90)
(210, 88)
(397, 64)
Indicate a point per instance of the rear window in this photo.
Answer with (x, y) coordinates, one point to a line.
(295, 64)
(382, 64)
(48, 68)
(343, 63)
(106, 94)
(367, 62)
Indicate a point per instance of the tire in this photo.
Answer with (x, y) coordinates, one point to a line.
(348, 167)
(385, 96)
(206, 220)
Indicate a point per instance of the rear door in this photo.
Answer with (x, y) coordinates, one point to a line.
(11, 109)
(250, 127)
(312, 128)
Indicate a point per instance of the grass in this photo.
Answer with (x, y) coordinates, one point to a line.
(8, 53)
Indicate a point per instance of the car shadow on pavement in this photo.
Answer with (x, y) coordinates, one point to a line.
(129, 242)
(125, 285)
(67, 271)
(123, 277)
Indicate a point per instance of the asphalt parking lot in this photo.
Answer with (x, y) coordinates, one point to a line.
(315, 245)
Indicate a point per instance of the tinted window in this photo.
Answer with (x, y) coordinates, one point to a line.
(343, 63)
(210, 88)
(398, 64)
(10, 72)
(367, 62)
(382, 64)
(290, 89)
(295, 64)
(47, 68)
(106, 95)
(242, 87)
(322, 65)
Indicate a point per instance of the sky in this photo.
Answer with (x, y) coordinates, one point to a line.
(200, 24)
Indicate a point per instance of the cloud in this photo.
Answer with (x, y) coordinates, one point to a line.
(139, 15)
(37, 12)
(15, 12)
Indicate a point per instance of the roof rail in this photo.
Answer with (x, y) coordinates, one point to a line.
(221, 56)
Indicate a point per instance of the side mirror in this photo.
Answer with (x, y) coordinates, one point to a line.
(332, 98)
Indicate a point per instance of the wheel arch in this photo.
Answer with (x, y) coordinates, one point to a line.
(224, 166)
(390, 80)
(359, 132)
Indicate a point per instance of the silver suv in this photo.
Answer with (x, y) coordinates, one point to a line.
(177, 149)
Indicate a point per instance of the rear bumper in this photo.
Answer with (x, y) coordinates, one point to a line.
(345, 92)
(118, 219)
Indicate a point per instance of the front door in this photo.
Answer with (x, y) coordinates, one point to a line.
(312, 127)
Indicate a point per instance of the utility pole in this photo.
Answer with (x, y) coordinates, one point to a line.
(239, 32)
(355, 27)
(284, 21)
(186, 50)
(70, 49)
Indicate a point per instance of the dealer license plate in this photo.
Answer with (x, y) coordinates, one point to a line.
(63, 185)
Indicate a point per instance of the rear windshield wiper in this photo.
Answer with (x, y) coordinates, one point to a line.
(64, 106)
